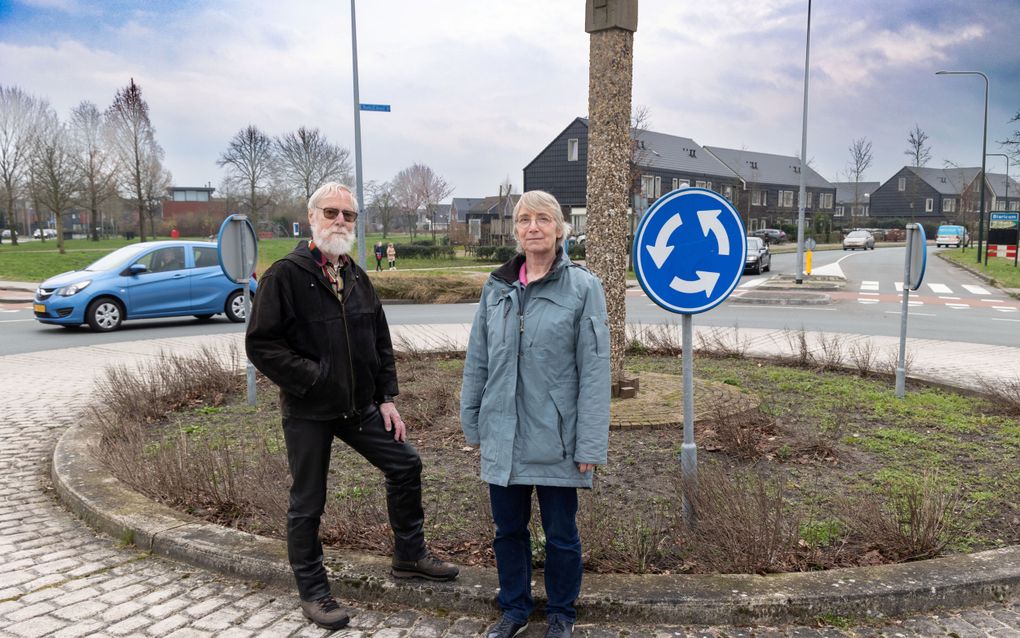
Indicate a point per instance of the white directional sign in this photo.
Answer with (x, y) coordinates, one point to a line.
(689, 250)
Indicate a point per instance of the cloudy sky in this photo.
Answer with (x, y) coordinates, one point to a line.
(478, 88)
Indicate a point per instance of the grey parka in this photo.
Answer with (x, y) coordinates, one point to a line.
(536, 377)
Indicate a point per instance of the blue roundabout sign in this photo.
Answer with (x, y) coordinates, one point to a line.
(689, 250)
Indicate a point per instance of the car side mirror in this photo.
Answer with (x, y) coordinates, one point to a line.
(137, 269)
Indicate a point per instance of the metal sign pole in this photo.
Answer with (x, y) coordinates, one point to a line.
(360, 188)
(249, 368)
(689, 449)
(901, 362)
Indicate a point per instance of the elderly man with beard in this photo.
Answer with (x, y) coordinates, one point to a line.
(318, 331)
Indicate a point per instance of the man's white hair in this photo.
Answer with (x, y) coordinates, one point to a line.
(331, 189)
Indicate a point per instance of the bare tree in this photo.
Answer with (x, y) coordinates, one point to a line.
(249, 160)
(918, 148)
(384, 202)
(860, 161)
(307, 160)
(132, 139)
(1012, 143)
(155, 180)
(408, 197)
(20, 116)
(95, 164)
(55, 171)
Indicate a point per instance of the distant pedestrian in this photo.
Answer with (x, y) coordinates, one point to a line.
(379, 252)
(536, 399)
(391, 256)
(318, 331)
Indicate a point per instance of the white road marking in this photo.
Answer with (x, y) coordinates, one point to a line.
(899, 286)
(1004, 309)
(16, 320)
(997, 319)
(915, 303)
(869, 285)
(950, 298)
(913, 314)
(867, 301)
(958, 306)
(976, 290)
(754, 282)
(940, 289)
(867, 293)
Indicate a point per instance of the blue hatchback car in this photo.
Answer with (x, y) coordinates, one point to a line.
(142, 281)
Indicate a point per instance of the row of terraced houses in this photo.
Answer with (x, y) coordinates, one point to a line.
(764, 187)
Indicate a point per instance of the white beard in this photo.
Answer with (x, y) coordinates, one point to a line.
(333, 243)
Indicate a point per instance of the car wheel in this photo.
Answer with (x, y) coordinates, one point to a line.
(203, 317)
(769, 267)
(104, 315)
(234, 308)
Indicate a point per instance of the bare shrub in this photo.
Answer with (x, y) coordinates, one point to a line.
(892, 360)
(637, 543)
(723, 342)
(154, 388)
(820, 438)
(863, 357)
(912, 520)
(663, 338)
(800, 351)
(744, 524)
(429, 288)
(1005, 394)
(742, 435)
(830, 352)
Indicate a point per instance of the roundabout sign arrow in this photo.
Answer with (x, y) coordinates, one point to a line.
(689, 250)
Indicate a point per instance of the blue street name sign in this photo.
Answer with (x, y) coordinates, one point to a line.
(1006, 217)
(375, 107)
(689, 250)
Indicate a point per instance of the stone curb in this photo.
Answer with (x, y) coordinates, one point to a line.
(862, 592)
(782, 298)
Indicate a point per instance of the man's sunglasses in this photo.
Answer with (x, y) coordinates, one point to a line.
(332, 213)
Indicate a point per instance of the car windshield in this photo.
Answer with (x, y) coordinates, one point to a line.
(753, 243)
(858, 234)
(116, 258)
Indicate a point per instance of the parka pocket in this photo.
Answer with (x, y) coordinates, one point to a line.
(600, 330)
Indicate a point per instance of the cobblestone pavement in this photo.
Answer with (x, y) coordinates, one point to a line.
(58, 578)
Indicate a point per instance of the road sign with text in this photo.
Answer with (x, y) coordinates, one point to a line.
(689, 250)
(375, 107)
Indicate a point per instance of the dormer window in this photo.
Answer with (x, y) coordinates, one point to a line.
(572, 149)
(691, 153)
(796, 169)
(942, 179)
(754, 165)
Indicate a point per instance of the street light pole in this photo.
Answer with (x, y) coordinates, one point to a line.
(357, 145)
(803, 157)
(984, 152)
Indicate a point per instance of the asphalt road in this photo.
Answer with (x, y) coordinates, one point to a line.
(952, 305)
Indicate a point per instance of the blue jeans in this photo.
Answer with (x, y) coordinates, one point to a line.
(511, 511)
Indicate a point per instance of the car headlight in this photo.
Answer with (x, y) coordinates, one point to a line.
(74, 289)
(752, 258)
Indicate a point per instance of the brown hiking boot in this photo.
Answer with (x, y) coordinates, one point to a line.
(325, 612)
(428, 567)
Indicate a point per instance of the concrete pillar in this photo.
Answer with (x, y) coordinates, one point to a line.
(611, 24)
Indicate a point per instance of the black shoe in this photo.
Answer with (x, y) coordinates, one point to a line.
(428, 567)
(559, 629)
(325, 612)
(506, 628)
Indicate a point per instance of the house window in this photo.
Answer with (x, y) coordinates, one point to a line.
(708, 185)
(727, 192)
(901, 184)
(572, 149)
(929, 205)
(658, 187)
(700, 183)
(675, 181)
(826, 201)
(948, 205)
(1015, 205)
(755, 198)
(839, 212)
(684, 183)
(786, 199)
(810, 200)
(648, 185)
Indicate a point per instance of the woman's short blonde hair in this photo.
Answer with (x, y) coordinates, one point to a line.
(540, 202)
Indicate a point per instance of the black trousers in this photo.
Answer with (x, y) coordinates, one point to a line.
(308, 452)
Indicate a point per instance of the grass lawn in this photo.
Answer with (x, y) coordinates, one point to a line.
(35, 261)
(999, 269)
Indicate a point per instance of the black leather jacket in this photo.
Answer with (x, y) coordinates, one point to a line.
(328, 358)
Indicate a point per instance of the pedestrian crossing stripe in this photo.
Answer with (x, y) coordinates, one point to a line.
(940, 289)
(975, 290)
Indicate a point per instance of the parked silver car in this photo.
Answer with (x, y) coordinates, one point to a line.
(859, 239)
